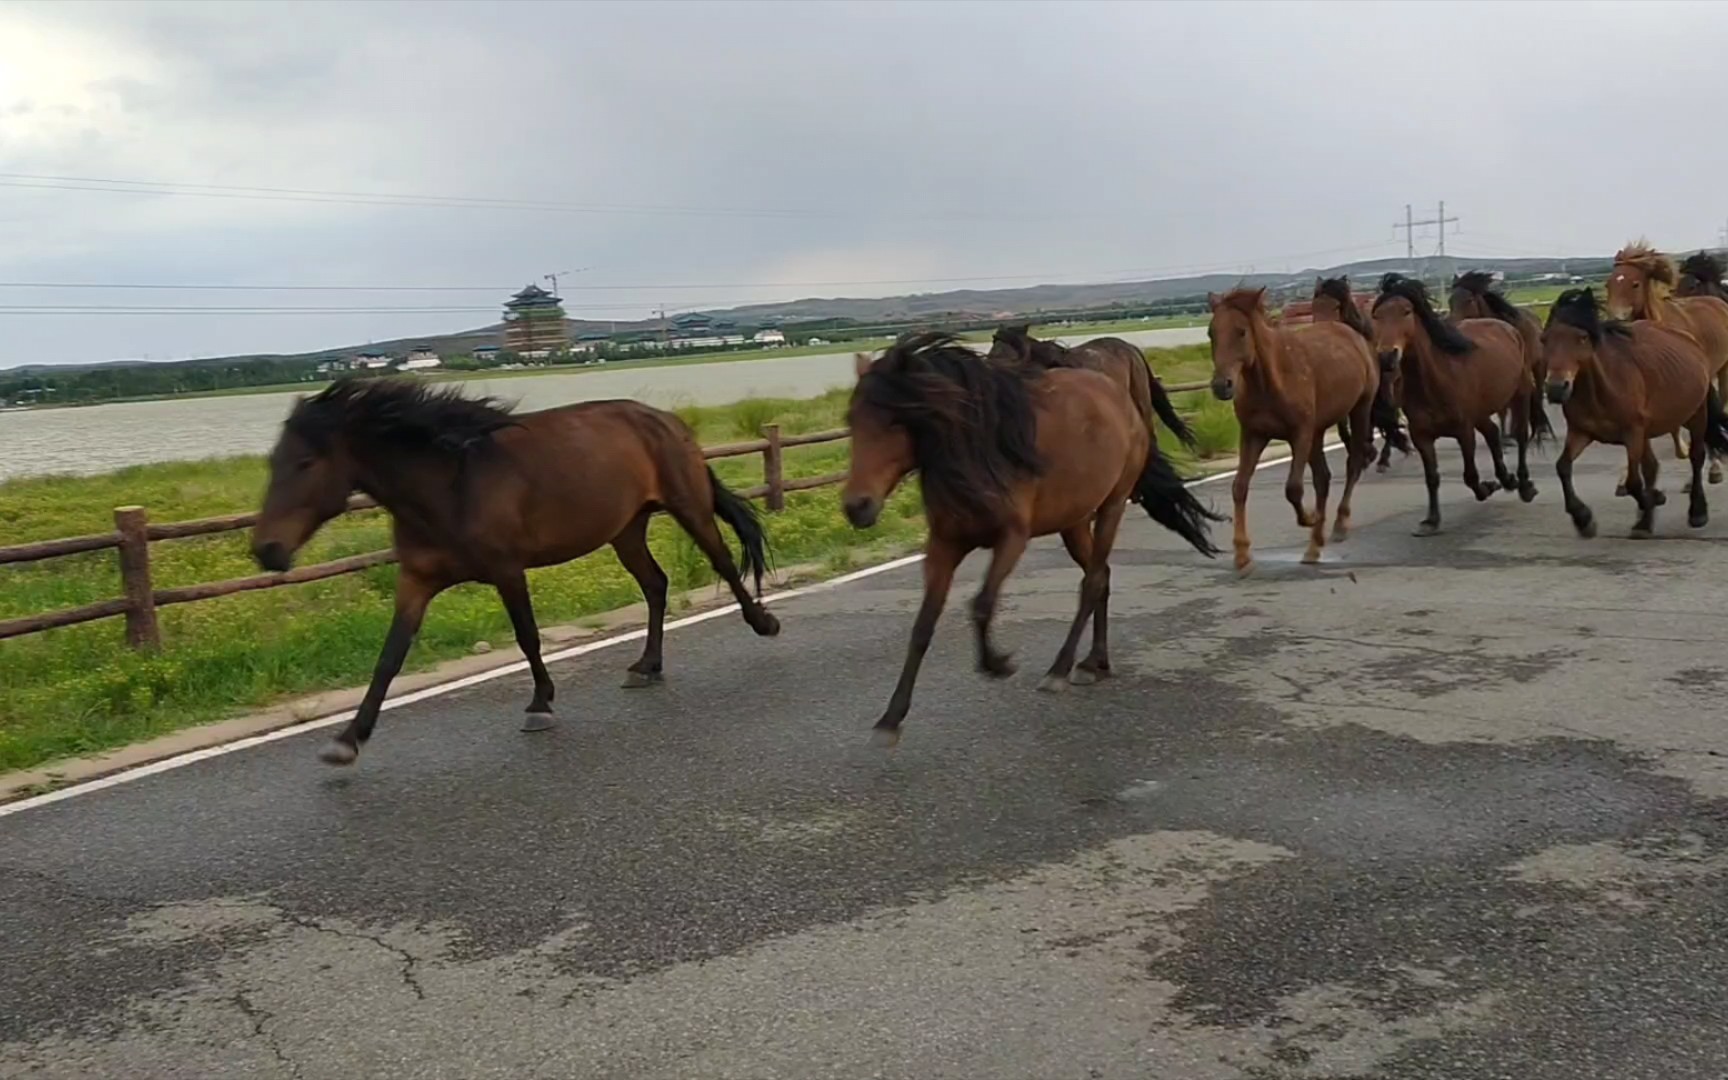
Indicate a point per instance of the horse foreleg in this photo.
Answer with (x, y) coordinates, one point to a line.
(1096, 665)
(631, 546)
(1356, 458)
(413, 593)
(1698, 512)
(1582, 518)
(1321, 470)
(1715, 459)
(1429, 525)
(1094, 585)
(1637, 445)
(1248, 458)
(1497, 452)
(1524, 430)
(1003, 557)
(513, 590)
(941, 557)
(1301, 449)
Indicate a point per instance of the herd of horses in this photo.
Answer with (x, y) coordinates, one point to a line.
(1031, 439)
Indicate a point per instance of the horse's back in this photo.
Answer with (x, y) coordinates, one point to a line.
(1707, 318)
(1093, 444)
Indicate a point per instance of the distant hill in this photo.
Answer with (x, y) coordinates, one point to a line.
(957, 303)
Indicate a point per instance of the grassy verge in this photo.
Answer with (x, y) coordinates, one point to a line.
(79, 690)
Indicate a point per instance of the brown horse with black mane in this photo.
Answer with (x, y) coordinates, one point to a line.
(1292, 383)
(1006, 452)
(1626, 383)
(1641, 286)
(477, 493)
(1474, 297)
(1122, 361)
(1454, 379)
(1701, 274)
(1335, 301)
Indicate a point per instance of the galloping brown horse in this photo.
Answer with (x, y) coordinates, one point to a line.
(1454, 379)
(1335, 301)
(1293, 383)
(477, 493)
(1639, 287)
(1123, 362)
(1701, 274)
(1474, 297)
(1626, 383)
(1004, 453)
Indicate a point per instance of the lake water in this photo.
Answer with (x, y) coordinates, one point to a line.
(100, 438)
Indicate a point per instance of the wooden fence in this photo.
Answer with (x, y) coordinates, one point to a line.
(133, 534)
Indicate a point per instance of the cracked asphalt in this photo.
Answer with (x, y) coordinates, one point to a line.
(1447, 807)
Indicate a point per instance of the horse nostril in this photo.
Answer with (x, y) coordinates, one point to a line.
(861, 511)
(1223, 389)
(272, 556)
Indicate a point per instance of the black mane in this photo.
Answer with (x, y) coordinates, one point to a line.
(1481, 283)
(974, 432)
(1445, 336)
(401, 412)
(1578, 309)
(1338, 289)
(1016, 343)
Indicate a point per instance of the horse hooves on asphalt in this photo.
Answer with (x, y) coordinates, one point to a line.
(537, 721)
(1054, 684)
(768, 627)
(637, 680)
(1698, 521)
(1087, 676)
(338, 753)
(1426, 528)
(1639, 534)
(1527, 491)
(885, 737)
(1588, 529)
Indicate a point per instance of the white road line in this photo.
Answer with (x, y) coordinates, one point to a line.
(194, 756)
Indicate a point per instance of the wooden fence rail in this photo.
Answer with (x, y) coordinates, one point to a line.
(134, 533)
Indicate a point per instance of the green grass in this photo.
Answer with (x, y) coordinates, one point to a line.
(80, 690)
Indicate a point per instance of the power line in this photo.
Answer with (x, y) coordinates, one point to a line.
(1410, 225)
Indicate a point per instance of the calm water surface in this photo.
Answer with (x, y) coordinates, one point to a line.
(100, 438)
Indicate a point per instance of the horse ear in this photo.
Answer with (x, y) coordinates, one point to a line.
(1212, 300)
(861, 363)
(1318, 281)
(1260, 295)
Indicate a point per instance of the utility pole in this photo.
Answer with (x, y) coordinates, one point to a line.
(1410, 225)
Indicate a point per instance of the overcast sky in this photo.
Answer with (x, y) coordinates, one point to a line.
(775, 150)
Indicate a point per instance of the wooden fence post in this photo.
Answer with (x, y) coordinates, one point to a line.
(773, 471)
(132, 523)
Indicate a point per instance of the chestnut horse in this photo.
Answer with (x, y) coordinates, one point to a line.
(1006, 452)
(1293, 383)
(1122, 361)
(1626, 383)
(477, 493)
(1639, 287)
(1335, 301)
(1454, 379)
(1474, 297)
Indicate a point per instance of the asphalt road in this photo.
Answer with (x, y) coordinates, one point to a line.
(1441, 808)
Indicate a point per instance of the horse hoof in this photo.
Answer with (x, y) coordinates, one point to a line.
(1660, 497)
(637, 680)
(1485, 492)
(336, 752)
(537, 721)
(1427, 528)
(1639, 534)
(1053, 684)
(998, 667)
(1383, 466)
(1340, 532)
(1245, 568)
(885, 737)
(767, 626)
(1587, 528)
(1085, 676)
(1620, 491)
(1508, 483)
(1311, 557)
(1527, 491)
(1715, 476)
(1698, 520)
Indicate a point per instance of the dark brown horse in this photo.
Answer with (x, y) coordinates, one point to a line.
(1454, 379)
(1004, 453)
(1701, 274)
(1293, 383)
(1335, 301)
(1474, 297)
(1625, 384)
(476, 493)
(1640, 287)
(1122, 361)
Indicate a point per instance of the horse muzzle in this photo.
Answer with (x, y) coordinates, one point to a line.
(1223, 389)
(273, 557)
(861, 510)
(1559, 392)
(1389, 359)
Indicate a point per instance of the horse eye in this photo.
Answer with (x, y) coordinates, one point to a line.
(303, 464)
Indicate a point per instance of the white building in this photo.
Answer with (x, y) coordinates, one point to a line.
(370, 361)
(769, 338)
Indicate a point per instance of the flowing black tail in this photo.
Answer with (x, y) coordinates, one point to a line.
(1167, 500)
(1716, 433)
(740, 513)
(1167, 413)
(1541, 428)
(1385, 417)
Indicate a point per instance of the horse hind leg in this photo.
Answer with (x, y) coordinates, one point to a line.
(1357, 453)
(1321, 470)
(1472, 477)
(1003, 558)
(704, 530)
(631, 546)
(1093, 585)
(1497, 452)
(1698, 511)
(1096, 665)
